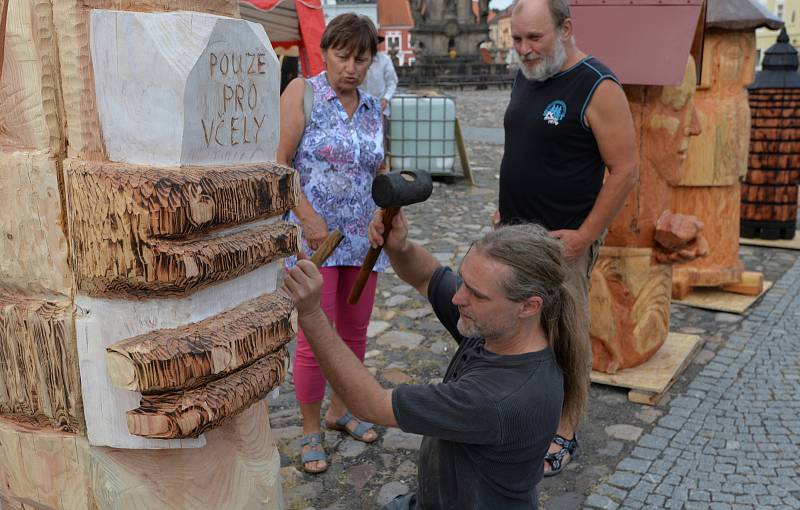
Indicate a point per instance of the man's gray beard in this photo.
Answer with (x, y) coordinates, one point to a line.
(548, 66)
(467, 331)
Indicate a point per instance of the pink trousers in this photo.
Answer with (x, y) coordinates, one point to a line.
(349, 321)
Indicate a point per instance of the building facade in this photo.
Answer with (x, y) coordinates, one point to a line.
(395, 23)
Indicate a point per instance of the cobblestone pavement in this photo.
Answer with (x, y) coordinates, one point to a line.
(699, 446)
(732, 439)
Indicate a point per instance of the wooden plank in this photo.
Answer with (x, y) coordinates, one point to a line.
(752, 284)
(786, 244)
(712, 298)
(658, 373)
(184, 358)
(462, 153)
(187, 414)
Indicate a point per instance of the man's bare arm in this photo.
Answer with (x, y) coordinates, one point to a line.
(609, 117)
(348, 376)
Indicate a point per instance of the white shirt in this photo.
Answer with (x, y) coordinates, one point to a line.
(381, 79)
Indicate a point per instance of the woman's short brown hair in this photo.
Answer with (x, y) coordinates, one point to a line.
(351, 32)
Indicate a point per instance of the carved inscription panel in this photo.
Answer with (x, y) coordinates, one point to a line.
(185, 88)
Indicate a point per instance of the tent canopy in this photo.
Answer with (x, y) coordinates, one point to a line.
(291, 23)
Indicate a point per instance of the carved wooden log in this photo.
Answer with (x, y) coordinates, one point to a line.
(183, 358)
(39, 381)
(124, 219)
(629, 303)
(189, 413)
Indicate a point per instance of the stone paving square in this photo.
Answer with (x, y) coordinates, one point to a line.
(725, 436)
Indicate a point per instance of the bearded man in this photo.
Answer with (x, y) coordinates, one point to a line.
(568, 122)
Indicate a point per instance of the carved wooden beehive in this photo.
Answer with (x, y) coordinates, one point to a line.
(141, 242)
(769, 192)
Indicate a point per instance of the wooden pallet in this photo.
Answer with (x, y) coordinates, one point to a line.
(712, 298)
(649, 381)
(787, 244)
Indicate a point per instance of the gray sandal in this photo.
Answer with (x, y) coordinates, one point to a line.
(315, 452)
(358, 433)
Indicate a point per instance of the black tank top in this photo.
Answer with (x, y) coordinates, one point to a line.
(552, 170)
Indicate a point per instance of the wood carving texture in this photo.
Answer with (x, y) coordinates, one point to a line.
(155, 231)
(39, 380)
(189, 413)
(238, 469)
(718, 208)
(769, 192)
(33, 250)
(32, 113)
(228, 8)
(183, 358)
(629, 302)
(71, 19)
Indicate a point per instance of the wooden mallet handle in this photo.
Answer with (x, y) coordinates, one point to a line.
(372, 257)
(327, 247)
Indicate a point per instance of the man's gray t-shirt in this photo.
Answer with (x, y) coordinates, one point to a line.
(487, 426)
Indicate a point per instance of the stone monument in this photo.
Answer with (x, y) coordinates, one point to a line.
(446, 39)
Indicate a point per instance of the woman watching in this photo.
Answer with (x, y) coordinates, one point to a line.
(336, 146)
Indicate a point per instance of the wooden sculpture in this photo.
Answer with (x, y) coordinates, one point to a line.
(769, 191)
(717, 159)
(140, 247)
(631, 282)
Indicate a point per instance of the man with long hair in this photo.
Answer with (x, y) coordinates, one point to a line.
(520, 362)
(570, 155)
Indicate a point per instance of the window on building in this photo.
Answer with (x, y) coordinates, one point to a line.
(780, 10)
(793, 13)
(393, 40)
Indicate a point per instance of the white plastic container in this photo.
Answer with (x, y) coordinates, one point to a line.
(422, 134)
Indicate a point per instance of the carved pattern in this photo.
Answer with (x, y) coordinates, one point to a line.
(183, 358)
(137, 230)
(39, 380)
(630, 308)
(189, 413)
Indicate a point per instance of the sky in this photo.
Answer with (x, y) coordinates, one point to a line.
(499, 4)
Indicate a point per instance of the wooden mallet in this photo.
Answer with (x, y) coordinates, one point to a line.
(391, 192)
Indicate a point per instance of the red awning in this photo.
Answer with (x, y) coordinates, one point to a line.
(291, 23)
(645, 42)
